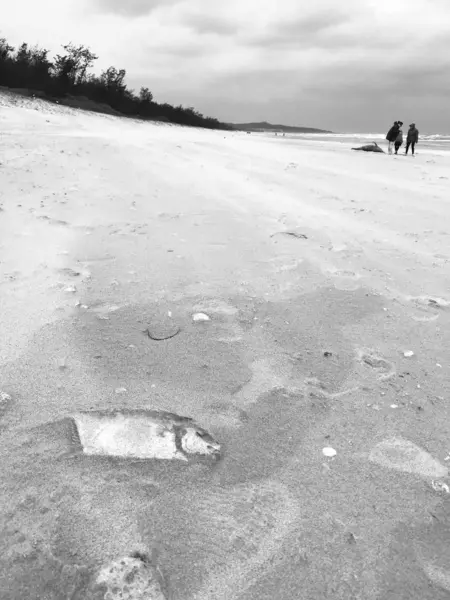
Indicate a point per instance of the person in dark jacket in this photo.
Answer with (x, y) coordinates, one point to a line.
(392, 134)
(398, 140)
(412, 138)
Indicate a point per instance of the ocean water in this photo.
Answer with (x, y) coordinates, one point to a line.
(434, 142)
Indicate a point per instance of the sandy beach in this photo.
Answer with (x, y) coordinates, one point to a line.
(325, 274)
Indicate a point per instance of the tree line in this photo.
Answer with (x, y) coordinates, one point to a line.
(68, 75)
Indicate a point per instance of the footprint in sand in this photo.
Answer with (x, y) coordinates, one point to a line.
(230, 321)
(53, 221)
(68, 272)
(215, 306)
(220, 539)
(225, 415)
(402, 455)
(344, 279)
(290, 266)
(168, 216)
(73, 273)
(430, 302)
(103, 309)
(439, 576)
(129, 228)
(426, 308)
(345, 249)
(12, 276)
(343, 273)
(384, 368)
(430, 544)
(265, 378)
(316, 389)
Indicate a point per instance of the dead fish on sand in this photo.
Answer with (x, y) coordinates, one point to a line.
(137, 434)
(374, 147)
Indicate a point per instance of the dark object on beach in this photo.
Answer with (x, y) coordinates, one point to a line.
(412, 138)
(438, 303)
(162, 332)
(374, 147)
(398, 140)
(327, 354)
(391, 135)
(69, 272)
(162, 327)
(300, 236)
(351, 539)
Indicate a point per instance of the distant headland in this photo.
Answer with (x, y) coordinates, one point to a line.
(264, 126)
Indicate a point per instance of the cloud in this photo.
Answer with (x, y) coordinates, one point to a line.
(353, 64)
(226, 20)
(131, 8)
(205, 24)
(302, 31)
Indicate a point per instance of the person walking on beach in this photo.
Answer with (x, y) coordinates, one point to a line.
(412, 138)
(392, 134)
(399, 139)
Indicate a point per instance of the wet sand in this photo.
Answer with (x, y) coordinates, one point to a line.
(109, 225)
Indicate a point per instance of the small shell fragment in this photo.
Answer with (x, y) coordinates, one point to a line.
(440, 486)
(329, 452)
(200, 317)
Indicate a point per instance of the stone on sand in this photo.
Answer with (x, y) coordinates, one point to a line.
(200, 317)
(402, 455)
(132, 578)
(440, 487)
(5, 400)
(329, 452)
(4, 397)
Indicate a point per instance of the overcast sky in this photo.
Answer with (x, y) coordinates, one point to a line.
(347, 65)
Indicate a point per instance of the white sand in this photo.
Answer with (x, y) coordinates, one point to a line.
(384, 219)
(159, 218)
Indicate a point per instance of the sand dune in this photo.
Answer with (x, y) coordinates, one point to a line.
(108, 225)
